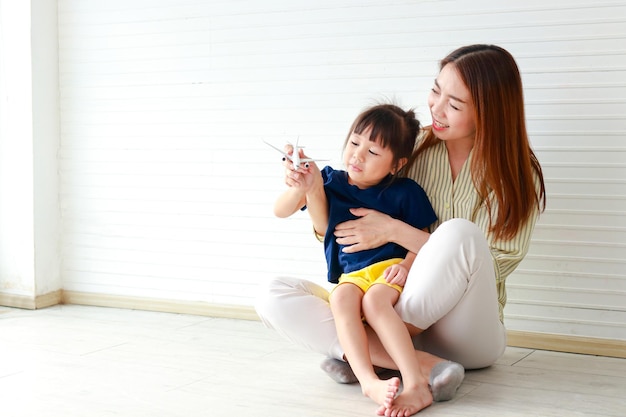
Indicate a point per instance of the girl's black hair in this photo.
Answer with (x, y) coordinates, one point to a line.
(392, 127)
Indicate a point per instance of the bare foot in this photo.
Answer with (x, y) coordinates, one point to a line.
(383, 392)
(408, 403)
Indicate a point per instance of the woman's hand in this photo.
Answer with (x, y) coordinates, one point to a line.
(371, 230)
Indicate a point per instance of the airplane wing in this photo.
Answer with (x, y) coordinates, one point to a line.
(289, 157)
(286, 155)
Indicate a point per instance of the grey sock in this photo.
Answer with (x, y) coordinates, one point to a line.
(339, 371)
(445, 379)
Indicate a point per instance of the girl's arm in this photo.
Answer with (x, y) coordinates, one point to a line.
(292, 200)
(306, 188)
(317, 206)
(397, 274)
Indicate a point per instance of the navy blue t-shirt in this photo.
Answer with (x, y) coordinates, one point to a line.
(402, 199)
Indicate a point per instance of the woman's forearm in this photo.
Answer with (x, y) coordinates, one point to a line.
(373, 229)
(406, 235)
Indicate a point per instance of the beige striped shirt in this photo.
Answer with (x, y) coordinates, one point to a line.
(460, 199)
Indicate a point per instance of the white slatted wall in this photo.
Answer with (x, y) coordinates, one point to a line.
(167, 188)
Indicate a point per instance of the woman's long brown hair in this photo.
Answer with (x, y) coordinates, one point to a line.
(502, 159)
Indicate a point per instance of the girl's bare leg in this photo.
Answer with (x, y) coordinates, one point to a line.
(444, 379)
(442, 388)
(378, 309)
(345, 303)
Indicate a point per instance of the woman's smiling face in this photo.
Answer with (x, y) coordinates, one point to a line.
(451, 107)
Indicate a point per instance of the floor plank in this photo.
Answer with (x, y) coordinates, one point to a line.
(92, 361)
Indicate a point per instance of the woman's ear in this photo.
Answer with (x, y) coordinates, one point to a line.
(399, 165)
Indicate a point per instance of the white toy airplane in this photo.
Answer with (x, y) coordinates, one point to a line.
(295, 159)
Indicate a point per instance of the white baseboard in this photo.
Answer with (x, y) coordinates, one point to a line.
(565, 343)
(29, 302)
(168, 306)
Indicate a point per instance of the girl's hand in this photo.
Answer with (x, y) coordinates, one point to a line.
(369, 231)
(303, 178)
(396, 274)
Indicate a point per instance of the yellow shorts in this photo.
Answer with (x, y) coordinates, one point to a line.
(368, 276)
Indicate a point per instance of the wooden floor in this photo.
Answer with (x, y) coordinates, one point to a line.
(92, 361)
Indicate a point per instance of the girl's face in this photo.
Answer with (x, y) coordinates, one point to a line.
(367, 162)
(451, 107)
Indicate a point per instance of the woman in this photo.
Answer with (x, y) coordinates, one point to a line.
(486, 186)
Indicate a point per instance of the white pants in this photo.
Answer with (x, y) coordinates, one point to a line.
(450, 292)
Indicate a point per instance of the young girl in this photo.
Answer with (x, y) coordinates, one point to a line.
(378, 146)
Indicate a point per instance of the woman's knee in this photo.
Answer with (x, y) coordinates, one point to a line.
(459, 231)
(284, 296)
(442, 271)
(298, 310)
(268, 303)
(460, 237)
